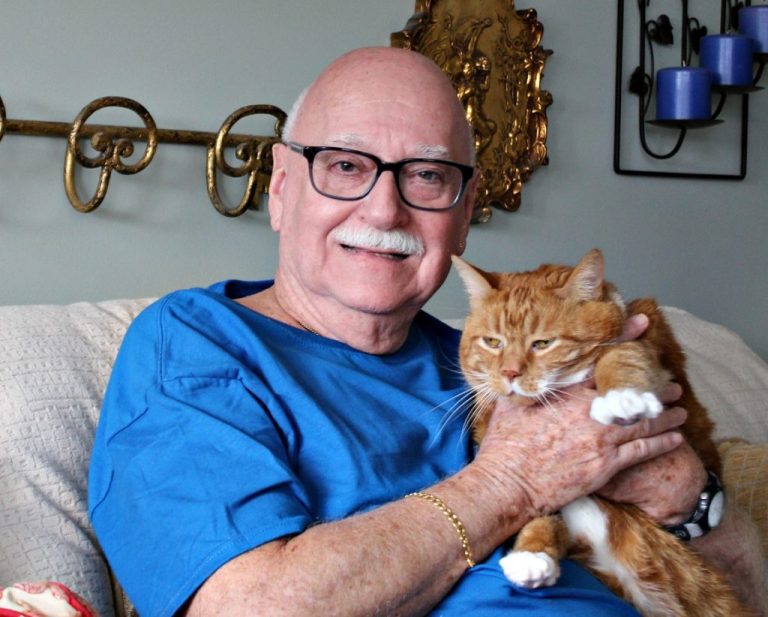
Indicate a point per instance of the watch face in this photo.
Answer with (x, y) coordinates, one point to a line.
(716, 509)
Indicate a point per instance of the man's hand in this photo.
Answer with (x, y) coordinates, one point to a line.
(555, 453)
(666, 487)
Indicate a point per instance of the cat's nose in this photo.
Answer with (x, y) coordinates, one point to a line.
(510, 373)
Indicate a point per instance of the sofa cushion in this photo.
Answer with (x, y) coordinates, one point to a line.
(54, 366)
(729, 378)
(745, 474)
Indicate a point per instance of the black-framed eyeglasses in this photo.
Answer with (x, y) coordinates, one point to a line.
(349, 175)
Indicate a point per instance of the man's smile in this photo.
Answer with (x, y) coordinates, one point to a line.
(379, 253)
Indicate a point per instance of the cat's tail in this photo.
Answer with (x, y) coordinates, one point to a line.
(649, 567)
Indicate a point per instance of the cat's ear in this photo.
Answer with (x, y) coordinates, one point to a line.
(478, 287)
(586, 280)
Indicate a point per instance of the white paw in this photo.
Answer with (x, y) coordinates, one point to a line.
(530, 570)
(625, 406)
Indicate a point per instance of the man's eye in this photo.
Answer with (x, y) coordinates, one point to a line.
(425, 175)
(347, 167)
(430, 175)
(492, 342)
(541, 344)
(342, 163)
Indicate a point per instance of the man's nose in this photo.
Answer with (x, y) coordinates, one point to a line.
(383, 206)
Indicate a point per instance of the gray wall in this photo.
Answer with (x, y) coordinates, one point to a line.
(699, 245)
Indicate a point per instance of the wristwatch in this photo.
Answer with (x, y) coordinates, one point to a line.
(708, 514)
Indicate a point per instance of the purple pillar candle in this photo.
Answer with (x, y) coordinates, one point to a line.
(753, 22)
(729, 57)
(683, 93)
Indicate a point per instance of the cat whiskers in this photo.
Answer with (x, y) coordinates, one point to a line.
(464, 403)
(484, 396)
(479, 398)
(556, 390)
(547, 396)
(450, 365)
(461, 402)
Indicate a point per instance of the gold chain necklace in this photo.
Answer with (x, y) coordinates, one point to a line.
(305, 326)
(296, 319)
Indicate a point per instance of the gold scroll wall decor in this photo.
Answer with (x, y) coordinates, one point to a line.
(492, 55)
(115, 144)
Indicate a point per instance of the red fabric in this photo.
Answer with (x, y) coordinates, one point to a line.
(56, 593)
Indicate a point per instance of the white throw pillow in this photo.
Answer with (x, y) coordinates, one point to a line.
(54, 366)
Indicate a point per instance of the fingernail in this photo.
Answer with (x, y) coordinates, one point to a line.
(682, 414)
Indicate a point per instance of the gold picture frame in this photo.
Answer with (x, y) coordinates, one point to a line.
(492, 54)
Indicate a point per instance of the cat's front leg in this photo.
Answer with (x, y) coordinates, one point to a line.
(627, 377)
(625, 406)
(535, 559)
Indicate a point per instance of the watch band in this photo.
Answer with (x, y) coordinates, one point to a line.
(707, 515)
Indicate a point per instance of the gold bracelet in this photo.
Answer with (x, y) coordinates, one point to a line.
(457, 524)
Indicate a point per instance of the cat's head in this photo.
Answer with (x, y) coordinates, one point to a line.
(531, 334)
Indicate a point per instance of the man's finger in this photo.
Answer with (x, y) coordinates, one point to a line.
(634, 326)
(672, 392)
(646, 448)
(669, 420)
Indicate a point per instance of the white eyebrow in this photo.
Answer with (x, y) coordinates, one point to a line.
(354, 140)
(433, 152)
(349, 140)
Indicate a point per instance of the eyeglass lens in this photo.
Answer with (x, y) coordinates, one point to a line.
(350, 175)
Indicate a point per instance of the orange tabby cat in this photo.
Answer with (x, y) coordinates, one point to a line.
(531, 334)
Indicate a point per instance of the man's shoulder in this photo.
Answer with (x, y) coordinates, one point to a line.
(183, 326)
(196, 304)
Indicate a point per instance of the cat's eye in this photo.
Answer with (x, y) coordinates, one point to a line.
(541, 344)
(492, 342)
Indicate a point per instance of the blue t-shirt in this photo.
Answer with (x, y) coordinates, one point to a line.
(223, 429)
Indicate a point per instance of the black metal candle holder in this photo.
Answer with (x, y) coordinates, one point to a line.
(659, 31)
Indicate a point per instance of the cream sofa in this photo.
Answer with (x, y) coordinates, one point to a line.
(54, 365)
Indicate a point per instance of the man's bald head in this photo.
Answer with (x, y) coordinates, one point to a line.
(384, 72)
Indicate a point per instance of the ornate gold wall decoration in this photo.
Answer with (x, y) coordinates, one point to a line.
(2, 118)
(115, 144)
(492, 55)
(113, 151)
(256, 154)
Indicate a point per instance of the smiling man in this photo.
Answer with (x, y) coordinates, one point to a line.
(261, 442)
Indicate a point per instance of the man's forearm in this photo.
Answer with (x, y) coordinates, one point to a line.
(402, 559)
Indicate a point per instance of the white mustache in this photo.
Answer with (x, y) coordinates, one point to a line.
(369, 238)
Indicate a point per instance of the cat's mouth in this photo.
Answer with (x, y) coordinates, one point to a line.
(516, 389)
(550, 385)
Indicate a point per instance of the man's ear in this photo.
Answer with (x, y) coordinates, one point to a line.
(277, 185)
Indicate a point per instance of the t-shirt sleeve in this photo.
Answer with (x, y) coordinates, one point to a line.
(187, 472)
